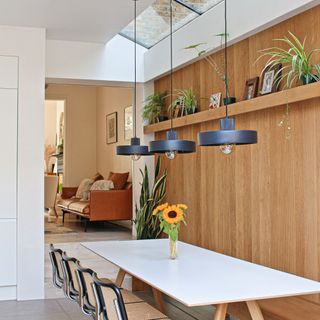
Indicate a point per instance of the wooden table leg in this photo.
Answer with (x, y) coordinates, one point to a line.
(221, 311)
(120, 278)
(254, 310)
(158, 300)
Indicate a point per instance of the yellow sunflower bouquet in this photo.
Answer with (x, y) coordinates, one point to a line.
(170, 217)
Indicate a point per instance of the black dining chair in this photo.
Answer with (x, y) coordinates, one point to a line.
(57, 272)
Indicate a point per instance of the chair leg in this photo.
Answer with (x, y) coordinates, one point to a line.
(85, 225)
(63, 213)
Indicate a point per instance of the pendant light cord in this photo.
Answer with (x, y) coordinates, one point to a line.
(171, 64)
(135, 72)
(226, 81)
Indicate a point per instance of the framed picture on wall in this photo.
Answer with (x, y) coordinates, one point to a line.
(251, 90)
(128, 123)
(270, 79)
(112, 127)
(215, 100)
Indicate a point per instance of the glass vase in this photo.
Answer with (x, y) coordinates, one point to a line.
(173, 248)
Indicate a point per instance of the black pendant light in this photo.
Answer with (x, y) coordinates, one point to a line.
(227, 137)
(171, 146)
(135, 150)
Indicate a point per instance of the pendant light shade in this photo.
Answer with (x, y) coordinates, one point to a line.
(227, 137)
(172, 146)
(135, 150)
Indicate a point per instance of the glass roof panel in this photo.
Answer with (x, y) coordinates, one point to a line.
(153, 24)
(201, 6)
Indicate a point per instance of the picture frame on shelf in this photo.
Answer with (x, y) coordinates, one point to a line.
(215, 100)
(269, 80)
(128, 123)
(251, 89)
(112, 128)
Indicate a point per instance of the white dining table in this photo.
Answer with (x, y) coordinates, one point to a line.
(200, 277)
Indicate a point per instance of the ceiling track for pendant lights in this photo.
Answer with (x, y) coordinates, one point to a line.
(135, 150)
(227, 137)
(172, 146)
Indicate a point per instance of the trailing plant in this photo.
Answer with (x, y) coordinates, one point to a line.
(147, 225)
(296, 61)
(154, 107)
(186, 101)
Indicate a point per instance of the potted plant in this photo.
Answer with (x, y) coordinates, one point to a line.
(213, 64)
(186, 101)
(296, 62)
(154, 107)
(147, 225)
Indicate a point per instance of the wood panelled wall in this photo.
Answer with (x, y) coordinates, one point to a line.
(261, 203)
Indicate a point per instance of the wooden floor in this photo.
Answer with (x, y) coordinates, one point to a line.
(70, 242)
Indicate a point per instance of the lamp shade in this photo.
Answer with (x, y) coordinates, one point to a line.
(134, 149)
(227, 135)
(172, 144)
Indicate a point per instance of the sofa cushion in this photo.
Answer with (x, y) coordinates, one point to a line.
(119, 179)
(80, 206)
(98, 176)
(64, 203)
(84, 188)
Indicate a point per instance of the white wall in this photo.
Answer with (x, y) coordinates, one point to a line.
(28, 45)
(245, 18)
(93, 61)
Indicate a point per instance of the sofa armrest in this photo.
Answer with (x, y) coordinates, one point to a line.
(111, 205)
(68, 192)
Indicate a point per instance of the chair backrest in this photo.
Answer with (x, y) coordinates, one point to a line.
(86, 295)
(57, 272)
(109, 301)
(71, 285)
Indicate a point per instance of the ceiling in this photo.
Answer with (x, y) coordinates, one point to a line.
(73, 20)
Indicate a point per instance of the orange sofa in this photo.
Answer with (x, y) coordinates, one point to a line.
(103, 205)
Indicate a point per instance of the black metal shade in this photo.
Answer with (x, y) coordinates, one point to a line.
(134, 149)
(227, 135)
(172, 144)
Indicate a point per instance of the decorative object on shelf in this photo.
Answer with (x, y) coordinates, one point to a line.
(112, 127)
(172, 145)
(215, 100)
(135, 150)
(170, 217)
(147, 225)
(185, 104)
(285, 122)
(296, 62)
(251, 90)
(154, 108)
(227, 137)
(128, 123)
(271, 77)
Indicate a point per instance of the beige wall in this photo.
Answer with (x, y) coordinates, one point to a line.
(111, 100)
(50, 122)
(80, 130)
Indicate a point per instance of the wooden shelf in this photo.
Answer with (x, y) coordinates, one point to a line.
(293, 95)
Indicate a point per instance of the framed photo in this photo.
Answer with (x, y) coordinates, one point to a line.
(251, 90)
(215, 101)
(269, 77)
(128, 123)
(112, 127)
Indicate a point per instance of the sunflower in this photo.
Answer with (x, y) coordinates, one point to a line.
(159, 208)
(172, 214)
(182, 206)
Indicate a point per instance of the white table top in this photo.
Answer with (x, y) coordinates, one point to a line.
(199, 276)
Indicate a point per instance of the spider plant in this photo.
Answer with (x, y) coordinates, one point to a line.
(154, 107)
(186, 100)
(147, 225)
(296, 62)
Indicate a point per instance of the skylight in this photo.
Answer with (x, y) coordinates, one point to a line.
(153, 24)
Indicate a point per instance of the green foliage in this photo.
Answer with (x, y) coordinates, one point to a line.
(147, 225)
(296, 62)
(186, 100)
(154, 107)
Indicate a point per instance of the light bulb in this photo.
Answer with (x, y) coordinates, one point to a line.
(135, 157)
(171, 154)
(227, 148)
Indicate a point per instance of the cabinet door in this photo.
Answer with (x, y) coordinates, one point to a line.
(8, 252)
(9, 72)
(8, 158)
